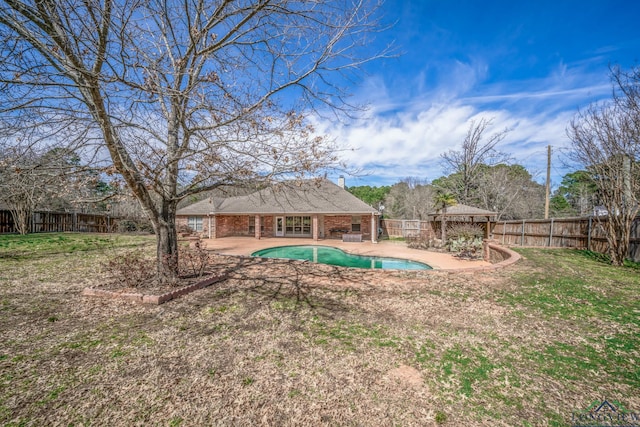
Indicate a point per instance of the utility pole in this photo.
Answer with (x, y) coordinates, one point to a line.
(548, 187)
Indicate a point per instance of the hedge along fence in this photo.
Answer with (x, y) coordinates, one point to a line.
(581, 233)
(43, 222)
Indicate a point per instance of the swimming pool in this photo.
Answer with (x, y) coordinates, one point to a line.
(334, 256)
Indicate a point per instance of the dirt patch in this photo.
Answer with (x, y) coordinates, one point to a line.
(406, 376)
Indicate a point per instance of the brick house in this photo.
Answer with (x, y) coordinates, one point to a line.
(316, 209)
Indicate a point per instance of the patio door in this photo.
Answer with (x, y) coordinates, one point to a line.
(279, 226)
(298, 226)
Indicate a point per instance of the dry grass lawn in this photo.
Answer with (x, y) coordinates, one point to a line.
(293, 343)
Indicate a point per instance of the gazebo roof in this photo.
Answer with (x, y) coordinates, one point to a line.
(463, 210)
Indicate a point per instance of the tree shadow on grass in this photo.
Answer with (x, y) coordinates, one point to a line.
(291, 286)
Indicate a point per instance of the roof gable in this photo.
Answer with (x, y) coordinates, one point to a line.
(302, 197)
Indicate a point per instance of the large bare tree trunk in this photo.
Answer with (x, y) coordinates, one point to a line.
(167, 244)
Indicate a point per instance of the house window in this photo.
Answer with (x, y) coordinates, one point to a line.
(252, 224)
(355, 223)
(195, 223)
(298, 225)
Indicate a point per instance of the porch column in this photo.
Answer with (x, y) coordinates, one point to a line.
(487, 232)
(314, 226)
(374, 228)
(257, 227)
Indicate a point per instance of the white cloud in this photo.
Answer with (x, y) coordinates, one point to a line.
(411, 123)
(404, 139)
(403, 144)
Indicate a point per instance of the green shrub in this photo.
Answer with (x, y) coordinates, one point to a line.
(465, 240)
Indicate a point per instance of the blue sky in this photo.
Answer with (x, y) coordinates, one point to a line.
(529, 65)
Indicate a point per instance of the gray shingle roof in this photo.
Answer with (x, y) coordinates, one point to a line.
(303, 197)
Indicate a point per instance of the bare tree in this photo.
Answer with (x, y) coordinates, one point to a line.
(186, 96)
(419, 200)
(30, 179)
(411, 198)
(606, 141)
(510, 191)
(477, 150)
(20, 187)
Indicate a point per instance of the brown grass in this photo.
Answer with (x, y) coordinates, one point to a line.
(281, 343)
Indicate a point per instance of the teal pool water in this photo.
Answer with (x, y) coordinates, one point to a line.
(334, 256)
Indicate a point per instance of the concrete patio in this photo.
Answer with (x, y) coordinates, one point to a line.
(245, 246)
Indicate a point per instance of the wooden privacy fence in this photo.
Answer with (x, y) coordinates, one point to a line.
(42, 222)
(582, 233)
(407, 228)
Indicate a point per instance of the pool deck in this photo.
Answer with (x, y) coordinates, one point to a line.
(245, 246)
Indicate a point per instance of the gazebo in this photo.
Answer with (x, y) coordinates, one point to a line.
(463, 213)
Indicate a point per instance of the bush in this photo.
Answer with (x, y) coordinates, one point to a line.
(465, 240)
(423, 242)
(465, 230)
(133, 269)
(135, 226)
(192, 261)
(184, 229)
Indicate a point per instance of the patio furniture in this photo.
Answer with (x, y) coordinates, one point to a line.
(352, 237)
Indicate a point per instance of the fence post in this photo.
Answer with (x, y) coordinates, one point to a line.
(589, 234)
(550, 232)
(504, 230)
(522, 237)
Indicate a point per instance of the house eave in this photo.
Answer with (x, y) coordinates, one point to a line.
(281, 213)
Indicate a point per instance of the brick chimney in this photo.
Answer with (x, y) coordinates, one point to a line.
(341, 181)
